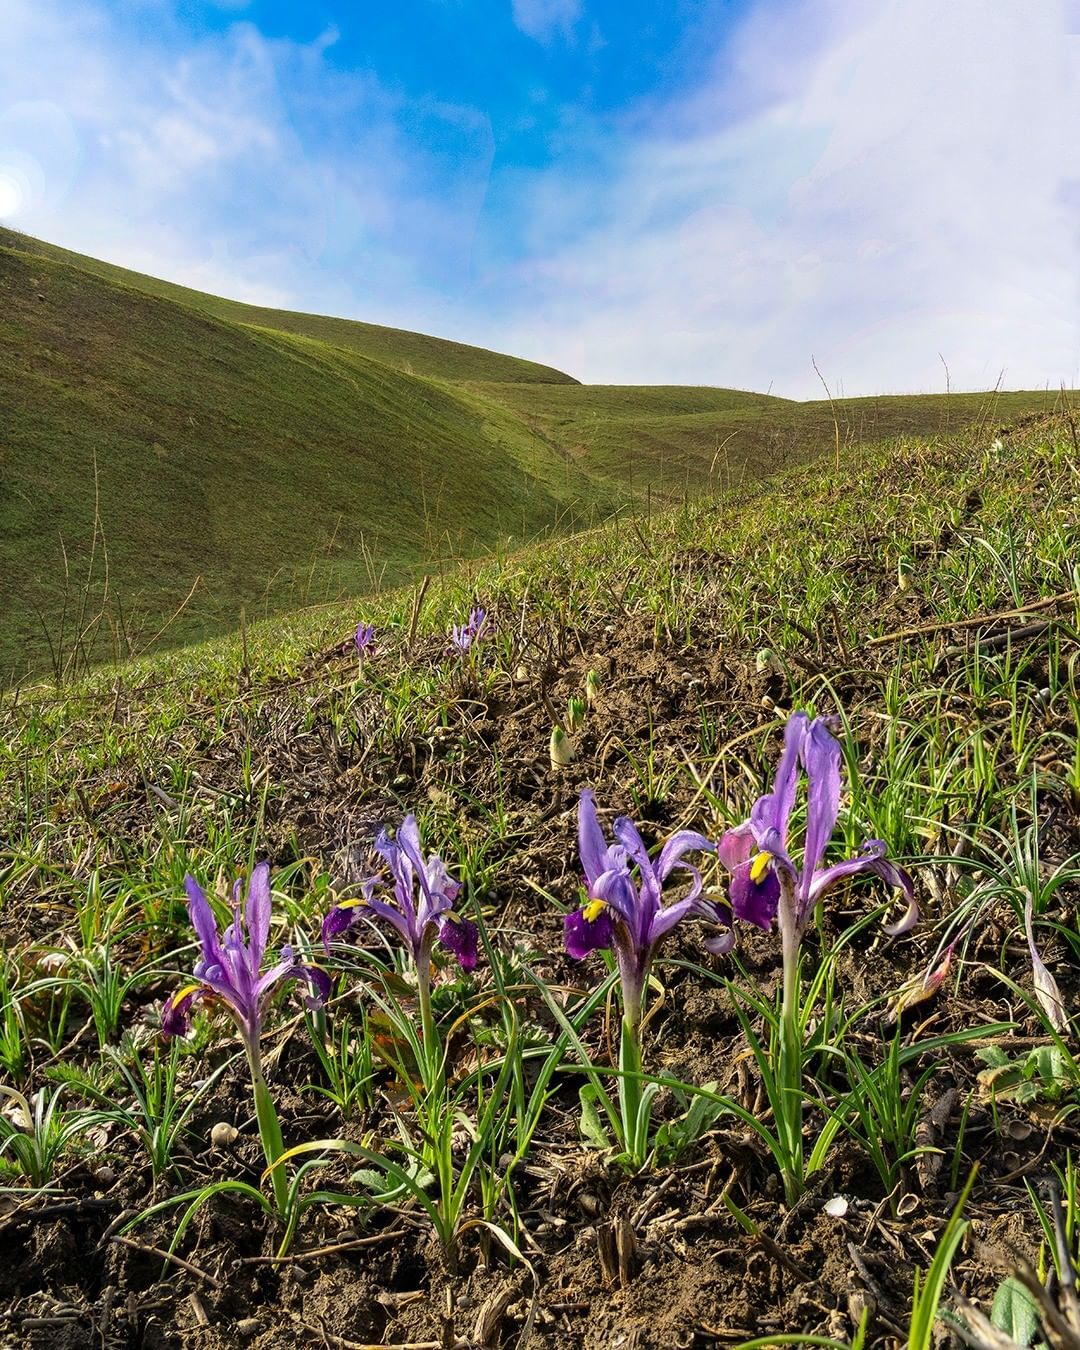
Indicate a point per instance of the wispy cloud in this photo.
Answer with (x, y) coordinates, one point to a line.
(233, 162)
(546, 19)
(883, 187)
(871, 185)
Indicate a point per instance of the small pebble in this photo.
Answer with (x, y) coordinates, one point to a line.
(248, 1326)
(837, 1207)
(223, 1134)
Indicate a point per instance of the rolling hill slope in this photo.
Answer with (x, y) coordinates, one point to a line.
(169, 459)
(276, 467)
(675, 438)
(416, 353)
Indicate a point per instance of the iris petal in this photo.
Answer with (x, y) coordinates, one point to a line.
(257, 915)
(616, 889)
(754, 902)
(820, 753)
(627, 834)
(289, 968)
(736, 845)
(337, 921)
(773, 811)
(666, 918)
(583, 935)
(871, 858)
(460, 937)
(722, 943)
(204, 923)
(590, 838)
(685, 841)
(176, 1015)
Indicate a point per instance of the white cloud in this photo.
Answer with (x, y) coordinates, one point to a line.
(546, 19)
(899, 189)
(870, 184)
(234, 163)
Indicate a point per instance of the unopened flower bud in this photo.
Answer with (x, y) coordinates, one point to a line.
(563, 749)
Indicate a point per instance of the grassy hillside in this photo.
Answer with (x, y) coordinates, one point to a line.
(923, 597)
(276, 467)
(670, 437)
(416, 353)
(169, 458)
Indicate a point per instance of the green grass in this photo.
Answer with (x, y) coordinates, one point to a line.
(808, 572)
(673, 439)
(278, 468)
(959, 722)
(171, 461)
(414, 353)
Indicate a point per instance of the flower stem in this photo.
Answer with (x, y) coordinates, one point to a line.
(629, 1088)
(430, 1046)
(790, 1068)
(269, 1127)
(630, 1092)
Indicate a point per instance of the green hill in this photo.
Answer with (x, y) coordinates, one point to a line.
(415, 353)
(171, 459)
(672, 437)
(276, 467)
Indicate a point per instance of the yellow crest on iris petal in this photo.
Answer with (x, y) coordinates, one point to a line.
(592, 911)
(759, 866)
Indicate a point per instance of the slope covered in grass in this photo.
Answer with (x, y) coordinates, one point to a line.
(276, 467)
(674, 439)
(925, 597)
(416, 353)
(171, 461)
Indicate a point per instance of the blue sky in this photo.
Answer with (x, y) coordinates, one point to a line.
(712, 192)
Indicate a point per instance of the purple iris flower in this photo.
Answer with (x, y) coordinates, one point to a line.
(630, 919)
(365, 639)
(765, 881)
(462, 637)
(417, 923)
(229, 969)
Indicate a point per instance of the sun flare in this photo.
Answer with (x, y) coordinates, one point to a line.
(11, 194)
